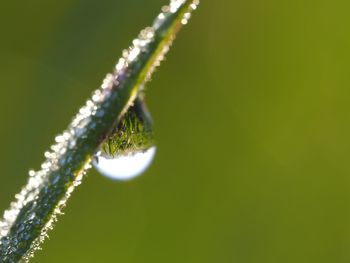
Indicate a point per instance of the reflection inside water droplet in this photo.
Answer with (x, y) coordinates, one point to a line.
(124, 167)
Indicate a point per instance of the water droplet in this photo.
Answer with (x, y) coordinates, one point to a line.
(130, 149)
(124, 167)
(5, 241)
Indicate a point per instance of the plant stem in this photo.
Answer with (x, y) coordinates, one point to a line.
(26, 223)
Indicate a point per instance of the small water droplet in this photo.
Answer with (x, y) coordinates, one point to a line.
(21, 227)
(5, 241)
(124, 167)
(32, 216)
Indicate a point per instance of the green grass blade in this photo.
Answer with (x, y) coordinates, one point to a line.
(26, 223)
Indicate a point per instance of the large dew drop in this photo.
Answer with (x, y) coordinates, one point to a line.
(130, 149)
(124, 167)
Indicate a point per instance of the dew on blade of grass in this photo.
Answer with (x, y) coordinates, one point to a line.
(40, 201)
(130, 148)
(124, 167)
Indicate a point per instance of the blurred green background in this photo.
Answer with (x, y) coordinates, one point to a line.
(252, 122)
